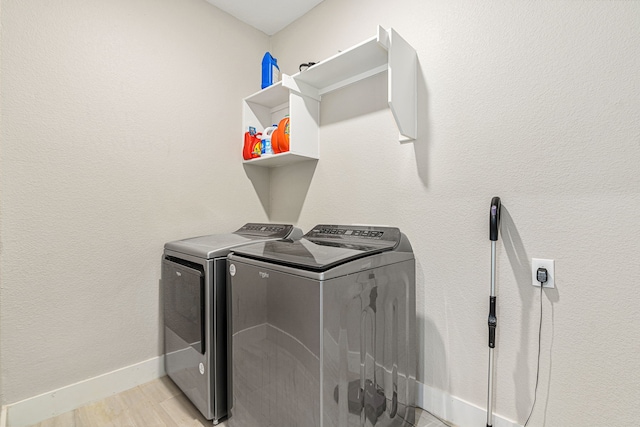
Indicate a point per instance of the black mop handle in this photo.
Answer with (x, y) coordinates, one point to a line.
(494, 219)
(494, 226)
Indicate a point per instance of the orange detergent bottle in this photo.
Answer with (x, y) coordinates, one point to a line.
(251, 148)
(280, 138)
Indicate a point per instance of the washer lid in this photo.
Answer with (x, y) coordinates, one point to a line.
(216, 245)
(326, 246)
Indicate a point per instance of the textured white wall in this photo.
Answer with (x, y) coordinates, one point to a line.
(119, 123)
(536, 102)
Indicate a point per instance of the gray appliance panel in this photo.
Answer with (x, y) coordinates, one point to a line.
(184, 359)
(369, 348)
(275, 334)
(218, 349)
(184, 307)
(354, 266)
(327, 246)
(205, 386)
(320, 353)
(217, 245)
(183, 352)
(304, 254)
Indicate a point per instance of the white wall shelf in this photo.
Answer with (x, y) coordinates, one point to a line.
(268, 107)
(280, 159)
(299, 95)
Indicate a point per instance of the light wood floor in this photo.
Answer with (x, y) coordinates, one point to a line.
(158, 403)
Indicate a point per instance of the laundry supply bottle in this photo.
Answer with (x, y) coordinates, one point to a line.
(251, 140)
(270, 70)
(280, 137)
(266, 140)
(256, 147)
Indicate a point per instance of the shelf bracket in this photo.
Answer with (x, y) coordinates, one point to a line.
(383, 37)
(402, 75)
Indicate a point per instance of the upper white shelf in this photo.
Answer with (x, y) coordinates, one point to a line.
(299, 95)
(271, 96)
(387, 51)
(359, 62)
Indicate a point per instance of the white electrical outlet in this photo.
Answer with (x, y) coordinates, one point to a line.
(537, 263)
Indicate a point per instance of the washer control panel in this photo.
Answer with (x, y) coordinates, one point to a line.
(353, 232)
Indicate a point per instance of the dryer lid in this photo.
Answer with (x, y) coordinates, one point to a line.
(326, 246)
(215, 245)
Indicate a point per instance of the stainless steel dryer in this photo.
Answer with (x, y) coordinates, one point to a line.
(195, 315)
(323, 330)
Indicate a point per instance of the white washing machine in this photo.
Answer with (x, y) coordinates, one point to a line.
(323, 330)
(195, 315)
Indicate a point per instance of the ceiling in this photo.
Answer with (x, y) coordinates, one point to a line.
(268, 16)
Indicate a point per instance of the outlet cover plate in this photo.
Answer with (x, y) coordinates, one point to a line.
(549, 264)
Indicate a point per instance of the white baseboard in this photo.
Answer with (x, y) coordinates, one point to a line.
(3, 416)
(35, 409)
(456, 410)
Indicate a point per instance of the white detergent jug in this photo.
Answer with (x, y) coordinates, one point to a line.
(266, 140)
